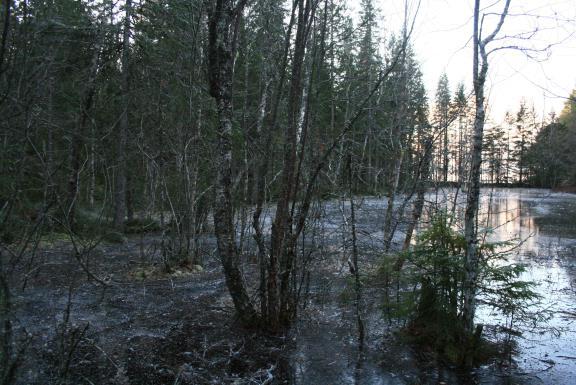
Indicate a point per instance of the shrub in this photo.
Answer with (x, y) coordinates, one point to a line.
(434, 274)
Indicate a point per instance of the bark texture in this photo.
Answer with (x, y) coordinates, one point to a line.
(222, 18)
(480, 70)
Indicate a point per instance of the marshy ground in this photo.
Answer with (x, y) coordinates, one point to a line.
(130, 322)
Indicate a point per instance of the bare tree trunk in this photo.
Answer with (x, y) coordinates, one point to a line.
(355, 267)
(397, 132)
(120, 186)
(280, 255)
(471, 262)
(420, 195)
(49, 184)
(259, 199)
(7, 365)
(222, 18)
(389, 226)
(6, 27)
(288, 224)
(78, 137)
(92, 186)
(268, 263)
(445, 149)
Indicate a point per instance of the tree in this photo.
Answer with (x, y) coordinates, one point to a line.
(550, 158)
(495, 153)
(120, 187)
(524, 131)
(479, 74)
(441, 120)
(462, 110)
(568, 114)
(368, 61)
(406, 120)
(223, 18)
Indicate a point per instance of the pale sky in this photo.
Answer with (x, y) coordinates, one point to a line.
(442, 43)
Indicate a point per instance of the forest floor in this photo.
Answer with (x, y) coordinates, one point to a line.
(142, 326)
(131, 329)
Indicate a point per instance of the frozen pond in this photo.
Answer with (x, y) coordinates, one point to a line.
(545, 225)
(541, 224)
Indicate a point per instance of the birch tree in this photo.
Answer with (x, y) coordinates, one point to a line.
(479, 75)
(223, 18)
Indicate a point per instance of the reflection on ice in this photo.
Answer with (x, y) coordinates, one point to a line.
(543, 227)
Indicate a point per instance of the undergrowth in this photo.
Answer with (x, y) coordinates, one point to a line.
(429, 292)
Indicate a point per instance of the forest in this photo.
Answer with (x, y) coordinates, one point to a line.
(266, 192)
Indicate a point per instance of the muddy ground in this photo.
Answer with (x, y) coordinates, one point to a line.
(162, 329)
(180, 328)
